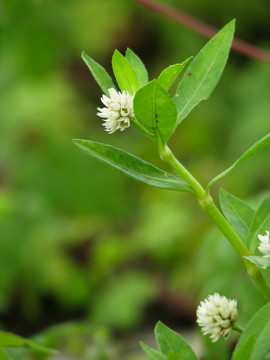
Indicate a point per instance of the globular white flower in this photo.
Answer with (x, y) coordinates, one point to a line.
(264, 246)
(118, 110)
(217, 315)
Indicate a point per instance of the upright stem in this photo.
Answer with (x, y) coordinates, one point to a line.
(207, 204)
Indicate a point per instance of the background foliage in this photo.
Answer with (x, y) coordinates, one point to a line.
(79, 241)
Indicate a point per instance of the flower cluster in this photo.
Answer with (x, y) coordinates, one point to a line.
(217, 315)
(264, 246)
(118, 110)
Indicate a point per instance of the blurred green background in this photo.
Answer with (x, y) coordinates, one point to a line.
(81, 242)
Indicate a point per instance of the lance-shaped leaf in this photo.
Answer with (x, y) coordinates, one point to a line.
(260, 223)
(9, 340)
(155, 111)
(132, 166)
(151, 353)
(258, 328)
(99, 73)
(238, 213)
(170, 342)
(169, 75)
(245, 352)
(3, 355)
(138, 66)
(204, 72)
(260, 261)
(251, 151)
(124, 73)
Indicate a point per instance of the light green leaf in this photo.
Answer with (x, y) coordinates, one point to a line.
(100, 74)
(251, 151)
(3, 355)
(260, 261)
(155, 111)
(246, 349)
(238, 213)
(259, 328)
(151, 353)
(169, 75)
(124, 73)
(9, 340)
(138, 66)
(170, 342)
(260, 223)
(204, 72)
(132, 166)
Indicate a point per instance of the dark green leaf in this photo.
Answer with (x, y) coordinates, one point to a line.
(238, 213)
(151, 353)
(170, 342)
(260, 261)
(100, 74)
(138, 66)
(131, 165)
(124, 73)
(204, 72)
(169, 75)
(155, 111)
(260, 223)
(258, 328)
(251, 151)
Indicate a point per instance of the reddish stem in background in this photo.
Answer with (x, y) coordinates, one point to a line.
(204, 29)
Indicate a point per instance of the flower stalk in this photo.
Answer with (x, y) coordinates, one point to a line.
(207, 204)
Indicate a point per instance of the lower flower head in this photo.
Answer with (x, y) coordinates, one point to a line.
(118, 110)
(217, 315)
(264, 246)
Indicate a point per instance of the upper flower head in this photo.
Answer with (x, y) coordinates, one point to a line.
(118, 110)
(264, 246)
(217, 315)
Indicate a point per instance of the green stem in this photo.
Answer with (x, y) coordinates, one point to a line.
(237, 328)
(208, 205)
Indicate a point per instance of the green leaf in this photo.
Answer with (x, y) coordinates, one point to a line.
(100, 74)
(260, 261)
(246, 349)
(9, 340)
(251, 151)
(169, 75)
(132, 166)
(124, 73)
(155, 111)
(259, 328)
(238, 213)
(260, 223)
(204, 72)
(170, 342)
(138, 66)
(151, 353)
(3, 355)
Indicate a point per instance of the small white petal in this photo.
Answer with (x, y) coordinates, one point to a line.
(264, 245)
(217, 315)
(118, 110)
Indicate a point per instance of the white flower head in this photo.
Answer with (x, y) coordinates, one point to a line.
(217, 315)
(118, 110)
(264, 246)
